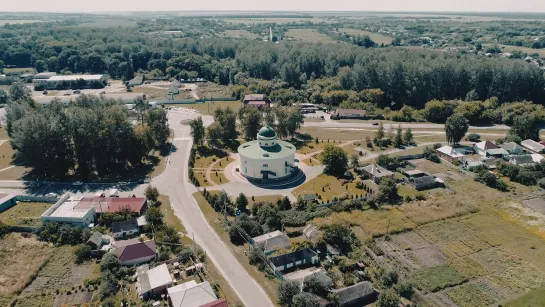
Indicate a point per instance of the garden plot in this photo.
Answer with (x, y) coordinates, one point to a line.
(475, 294)
(435, 208)
(73, 299)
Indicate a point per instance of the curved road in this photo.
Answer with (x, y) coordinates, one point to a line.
(173, 182)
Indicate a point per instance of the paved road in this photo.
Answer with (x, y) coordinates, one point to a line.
(369, 124)
(173, 182)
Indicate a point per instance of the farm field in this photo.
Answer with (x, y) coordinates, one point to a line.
(377, 38)
(309, 35)
(24, 214)
(105, 22)
(241, 34)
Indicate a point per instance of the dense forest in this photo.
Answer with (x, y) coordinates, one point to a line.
(406, 76)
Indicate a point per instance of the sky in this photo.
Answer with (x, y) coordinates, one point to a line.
(272, 5)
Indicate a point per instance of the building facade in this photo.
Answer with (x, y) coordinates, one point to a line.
(70, 82)
(267, 158)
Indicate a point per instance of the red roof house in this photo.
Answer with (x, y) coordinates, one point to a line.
(136, 252)
(217, 303)
(114, 204)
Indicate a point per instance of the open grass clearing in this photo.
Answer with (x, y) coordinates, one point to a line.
(20, 258)
(15, 173)
(336, 134)
(208, 108)
(261, 199)
(215, 221)
(213, 90)
(435, 208)
(241, 34)
(6, 154)
(24, 214)
(206, 156)
(327, 187)
(377, 38)
(309, 35)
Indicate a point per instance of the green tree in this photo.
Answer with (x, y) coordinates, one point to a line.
(387, 192)
(157, 121)
(408, 137)
(215, 133)
(316, 286)
(82, 252)
(286, 290)
(197, 130)
(379, 135)
(456, 127)
(341, 237)
(335, 160)
(19, 91)
(398, 142)
(268, 215)
(152, 194)
(437, 111)
(140, 105)
(388, 298)
(354, 161)
(405, 289)
(242, 202)
(268, 117)
(154, 216)
(4, 229)
(110, 263)
(295, 120)
(525, 126)
(284, 204)
(251, 122)
(305, 299)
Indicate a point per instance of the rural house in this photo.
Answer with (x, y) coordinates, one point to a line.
(533, 146)
(426, 182)
(133, 252)
(497, 153)
(482, 147)
(526, 160)
(124, 229)
(191, 294)
(513, 148)
(95, 241)
(451, 154)
(273, 241)
(256, 100)
(311, 232)
(153, 281)
(359, 294)
(293, 259)
(375, 173)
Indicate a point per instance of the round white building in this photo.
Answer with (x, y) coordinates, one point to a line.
(267, 158)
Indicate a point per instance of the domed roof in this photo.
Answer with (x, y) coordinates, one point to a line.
(267, 132)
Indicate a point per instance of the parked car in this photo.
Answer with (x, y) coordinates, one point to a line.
(53, 195)
(375, 124)
(67, 94)
(45, 92)
(77, 92)
(77, 183)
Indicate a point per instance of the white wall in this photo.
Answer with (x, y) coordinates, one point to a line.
(253, 167)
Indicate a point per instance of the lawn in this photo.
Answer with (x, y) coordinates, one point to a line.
(309, 35)
(24, 214)
(20, 70)
(241, 34)
(377, 38)
(215, 221)
(261, 199)
(327, 187)
(206, 156)
(6, 154)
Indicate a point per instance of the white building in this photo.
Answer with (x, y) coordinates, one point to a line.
(69, 81)
(191, 294)
(267, 158)
(67, 210)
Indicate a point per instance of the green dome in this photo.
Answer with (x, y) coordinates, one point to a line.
(267, 132)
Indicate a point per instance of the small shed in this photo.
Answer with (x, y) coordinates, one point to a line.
(311, 232)
(426, 182)
(414, 173)
(95, 241)
(359, 294)
(126, 228)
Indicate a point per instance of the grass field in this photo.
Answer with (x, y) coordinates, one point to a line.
(377, 38)
(6, 154)
(309, 35)
(261, 199)
(327, 187)
(532, 298)
(105, 22)
(507, 48)
(209, 107)
(241, 34)
(269, 285)
(337, 134)
(24, 214)
(20, 258)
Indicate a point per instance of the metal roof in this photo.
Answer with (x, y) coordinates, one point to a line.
(267, 132)
(280, 150)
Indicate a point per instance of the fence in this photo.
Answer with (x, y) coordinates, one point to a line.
(190, 101)
(11, 202)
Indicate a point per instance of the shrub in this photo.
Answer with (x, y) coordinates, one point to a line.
(473, 137)
(82, 252)
(405, 289)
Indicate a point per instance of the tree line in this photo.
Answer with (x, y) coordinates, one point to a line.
(91, 136)
(406, 76)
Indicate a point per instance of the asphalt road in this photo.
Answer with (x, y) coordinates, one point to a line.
(173, 182)
(369, 124)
